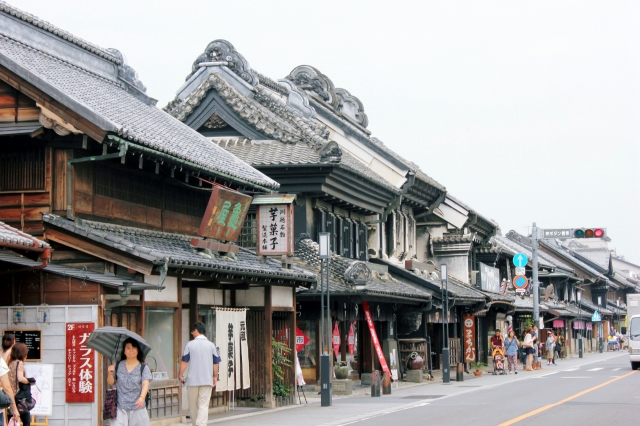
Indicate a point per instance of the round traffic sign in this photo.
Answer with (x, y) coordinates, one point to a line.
(520, 260)
(520, 282)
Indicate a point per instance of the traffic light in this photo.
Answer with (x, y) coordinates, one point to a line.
(589, 232)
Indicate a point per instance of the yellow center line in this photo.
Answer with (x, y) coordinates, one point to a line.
(555, 404)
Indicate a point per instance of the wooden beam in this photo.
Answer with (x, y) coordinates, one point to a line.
(51, 104)
(268, 359)
(193, 308)
(144, 267)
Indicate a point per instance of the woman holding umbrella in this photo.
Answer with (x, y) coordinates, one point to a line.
(133, 378)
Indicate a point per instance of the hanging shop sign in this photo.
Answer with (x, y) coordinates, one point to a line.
(469, 331)
(80, 363)
(275, 229)
(335, 340)
(301, 339)
(225, 214)
(596, 317)
(374, 337)
(489, 278)
(351, 339)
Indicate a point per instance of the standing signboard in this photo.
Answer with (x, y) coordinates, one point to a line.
(32, 338)
(275, 228)
(225, 215)
(43, 391)
(489, 278)
(469, 338)
(80, 363)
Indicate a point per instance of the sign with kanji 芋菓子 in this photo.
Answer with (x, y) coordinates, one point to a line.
(225, 215)
(275, 229)
(80, 363)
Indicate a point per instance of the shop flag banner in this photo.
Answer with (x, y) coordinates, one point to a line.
(469, 338)
(231, 341)
(275, 228)
(351, 339)
(80, 363)
(336, 339)
(374, 337)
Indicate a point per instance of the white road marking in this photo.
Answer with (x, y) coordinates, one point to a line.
(572, 369)
(368, 416)
(595, 369)
(575, 377)
(616, 369)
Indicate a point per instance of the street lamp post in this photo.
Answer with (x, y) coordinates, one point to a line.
(445, 324)
(325, 360)
(579, 296)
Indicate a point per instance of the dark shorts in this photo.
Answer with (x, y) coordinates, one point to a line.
(528, 351)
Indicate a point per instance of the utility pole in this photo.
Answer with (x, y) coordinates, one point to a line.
(534, 278)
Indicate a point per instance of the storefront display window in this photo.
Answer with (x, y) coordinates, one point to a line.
(307, 355)
(159, 334)
(208, 318)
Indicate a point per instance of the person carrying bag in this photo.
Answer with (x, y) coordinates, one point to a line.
(20, 385)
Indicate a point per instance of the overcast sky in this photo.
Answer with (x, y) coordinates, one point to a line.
(526, 111)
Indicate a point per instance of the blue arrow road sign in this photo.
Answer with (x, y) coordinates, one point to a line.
(520, 260)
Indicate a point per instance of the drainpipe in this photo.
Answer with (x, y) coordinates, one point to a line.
(123, 146)
(433, 206)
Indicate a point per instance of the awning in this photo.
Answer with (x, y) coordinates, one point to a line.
(21, 128)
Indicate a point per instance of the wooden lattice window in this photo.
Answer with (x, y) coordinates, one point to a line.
(130, 187)
(22, 170)
(249, 235)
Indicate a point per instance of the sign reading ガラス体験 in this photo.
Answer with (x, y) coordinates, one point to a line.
(80, 363)
(225, 215)
(275, 229)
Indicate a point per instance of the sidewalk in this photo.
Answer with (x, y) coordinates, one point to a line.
(360, 391)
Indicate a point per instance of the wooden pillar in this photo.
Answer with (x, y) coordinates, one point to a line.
(292, 340)
(193, 306)
(344, 327)
(268, 360)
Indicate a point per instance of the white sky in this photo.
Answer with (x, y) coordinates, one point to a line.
(526, 111)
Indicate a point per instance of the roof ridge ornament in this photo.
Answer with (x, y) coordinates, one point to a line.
(330, 153)
(223, 51)
(352, 107)
(126, 72)
(313, 81)
(358, 273)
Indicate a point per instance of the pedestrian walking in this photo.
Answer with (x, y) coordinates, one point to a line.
(551, 344)
(511, 344)
(19, 354)
(201, 356)
(559, 345)
(8, 340)
(5, 385)
(527, 344)
(132, 378)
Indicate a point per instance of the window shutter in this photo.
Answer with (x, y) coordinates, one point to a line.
(391, 234)
(364, 241)
(339, 237)
(321, 220)
(346, 238)
(331, 227)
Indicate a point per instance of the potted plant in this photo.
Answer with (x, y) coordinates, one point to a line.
(342, 370)
(476, 366)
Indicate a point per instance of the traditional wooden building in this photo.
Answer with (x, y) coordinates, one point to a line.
(118, 188)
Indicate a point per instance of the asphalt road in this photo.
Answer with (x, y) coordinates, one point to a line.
(599, 389)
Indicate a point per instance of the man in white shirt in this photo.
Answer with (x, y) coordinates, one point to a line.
(202, 358)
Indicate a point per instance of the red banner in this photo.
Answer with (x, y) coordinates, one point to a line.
(469, 323)
(80, 363)
(374, 337)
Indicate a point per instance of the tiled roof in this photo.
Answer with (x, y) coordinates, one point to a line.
(15, 238)
(67, 271)
(157, 246)
(376, 284)
(563, 252)
(598, 256)
(456, 288)
(42, 24)
(593, 307)
(273, 153)
(515, 241)
(112, 108)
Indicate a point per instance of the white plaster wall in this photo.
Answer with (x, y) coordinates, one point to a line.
(208, 296)
(169, 294)
(282, 297)
(53, 352)
(252, 297)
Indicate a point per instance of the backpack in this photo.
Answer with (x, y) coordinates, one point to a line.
(147, 399)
